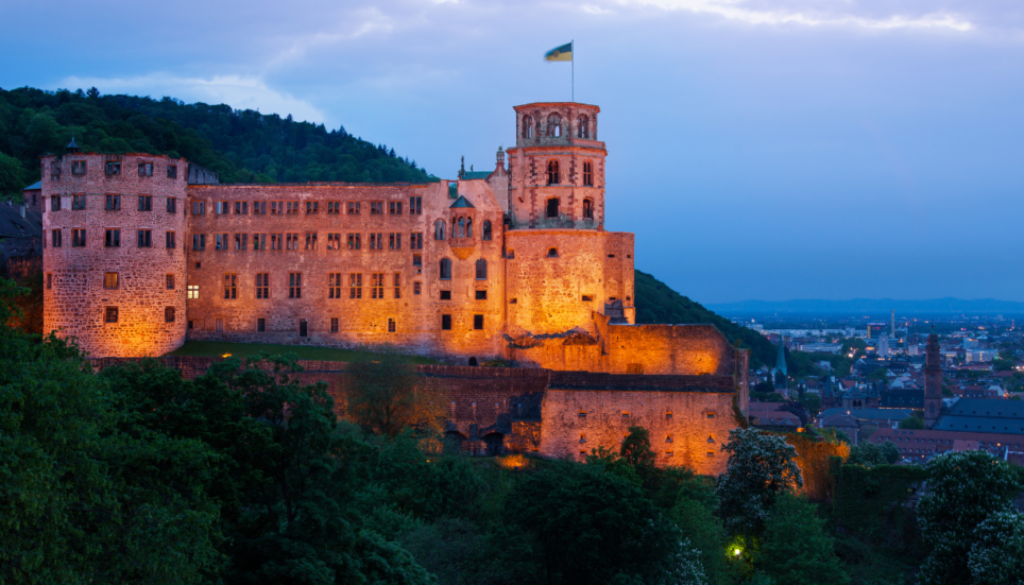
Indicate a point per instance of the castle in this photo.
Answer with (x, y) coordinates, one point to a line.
(142, 252)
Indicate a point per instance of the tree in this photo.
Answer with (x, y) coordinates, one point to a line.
(705, 533)
(914, 421)
(636, 449)
(761, 467)
(870, 454)
(997, 555)
(964, 490)
(383, 396)
(812, 402)
(13, 178)
(796, 549)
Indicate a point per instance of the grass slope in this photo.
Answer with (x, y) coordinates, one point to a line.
(657, 303)
(305, 352)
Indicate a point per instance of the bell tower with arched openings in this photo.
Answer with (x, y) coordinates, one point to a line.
(556, 170)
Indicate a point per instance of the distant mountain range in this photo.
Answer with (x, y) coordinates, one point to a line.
(947, 305)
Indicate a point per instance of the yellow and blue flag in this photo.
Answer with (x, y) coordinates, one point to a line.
(563, 53)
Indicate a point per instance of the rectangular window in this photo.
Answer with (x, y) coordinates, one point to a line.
(57, 236)
(259, 242)
(230, 286)
(415, 206)
(415, 288)
(478, 322)
(169, 282)
(446, 295)
(192, 291)
(198, 241)
(311, 241)
(333, 207)
(113, 168)
(261, 325)
(293, 208)
(262, 285)
(78, 167)
(446, 322)
(376, 208)
(416, 241)
(276, 207)
(145, 238)
(172, 172)
(293, 242)
(110, 280)
(168, 314)
(113, 203)
(312, 207)
(221, 242)
(259, 207)
(333, 241)
(112, 238)
(398, 285)
(334, 285)
(353, 208)
(221, 208)
(376, 241)
(54, 170)
(334, 324)
(241, 241)
(395, 208)
(54, 202)
(110, 315)
(276, 241)
(146, 169)
(481, 295)
(355, 286)
(394, 241)
(77, 202)
(145, 203)
(198, 208)
(377, 286)
(391, 325)
(294, 285)
(353, 241)
(241, 207)
(417, 261)
(172, 205)
(220, 325)
(49, 280)
(171, 243)
(78, 238)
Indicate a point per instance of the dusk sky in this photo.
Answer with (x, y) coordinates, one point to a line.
(758, 149)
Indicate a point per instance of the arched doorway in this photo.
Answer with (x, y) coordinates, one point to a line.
(473, 362)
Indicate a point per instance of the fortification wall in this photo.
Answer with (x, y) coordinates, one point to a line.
(143, 311)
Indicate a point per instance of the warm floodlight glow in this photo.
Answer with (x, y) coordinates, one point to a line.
(227, 355)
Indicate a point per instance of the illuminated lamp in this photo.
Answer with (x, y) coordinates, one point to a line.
(227, 355)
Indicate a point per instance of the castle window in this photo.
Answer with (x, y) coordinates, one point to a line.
(485, 234)
(110, 315)
(198, 241)
(311, 241)
(54, 202)
(241, 240)
(168, 314)
(334, 324)
(169, 282)
(417, 261)
(582, 414)
(221, 241)
(56, 237)
(416, 241)
(333, 207)
(552, 252)
(262, 285)
(355, 286)
(198, 208)
(230, 286)
(446, 269)
(221, 207)
(668, 439)
(376, 241)
(377, 286)
(469, 227)
(113, 203)
(192, 291)
(77, 202)
(481, 269)
(392, 326)
(588, 174)
(439, 229)
(587, 298)
(395, 208)
(312, 207)
(446, 295)
(261, 325)
(145, 169)
(553, 175)
(78, 167)
(49, 280)
(376, 208)
(527, 127)
(394, 241)
(481, 295)
(668, 416)
(170, 241)
(625, 415)
(446, 322)
(478, 322)
(711, 454)
(711, 439)
(333, 241)
(552, 209)
(353, 241)
(54, 169)
(711, 415)
(293, 208)
(398, 285)
(276, 207)
(276, 241)
(554, 125)
(172, 172)
(145, 238)
(113, 168)
(172, 205)
(416, 206)
(294, 285)
(416, 288)
(241, 207)
(110, 280)
(353, 208)
(462, 228)
(220, 325)
(292, 242)
(588, 209)
(583, 127)
(112, 239)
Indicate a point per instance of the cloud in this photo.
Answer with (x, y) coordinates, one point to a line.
(238, 91)
(353, 26)
(780, 15)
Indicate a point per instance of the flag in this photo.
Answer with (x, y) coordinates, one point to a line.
(563, 53)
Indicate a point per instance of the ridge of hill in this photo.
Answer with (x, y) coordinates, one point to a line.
(242, 146)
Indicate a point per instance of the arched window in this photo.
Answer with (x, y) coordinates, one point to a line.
(446, 269)
(583, 127)
(439, 229)
(554, 125)
(486, 234)
(527, 127)
(552, 252)
(552, 172)
(462, 228)
(481, 269)
(469, 227)
(588, 209)
(588, 174)
(552, 207)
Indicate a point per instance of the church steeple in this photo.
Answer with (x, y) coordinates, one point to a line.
(780, 372)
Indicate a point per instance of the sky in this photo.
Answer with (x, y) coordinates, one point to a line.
(759, 149)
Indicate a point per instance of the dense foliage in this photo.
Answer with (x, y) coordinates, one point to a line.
(241, 145)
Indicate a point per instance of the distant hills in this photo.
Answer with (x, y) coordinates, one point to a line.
(943, 306)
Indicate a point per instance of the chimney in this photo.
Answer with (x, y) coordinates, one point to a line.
(21, 210)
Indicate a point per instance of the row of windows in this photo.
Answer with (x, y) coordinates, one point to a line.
(555, 174)
(111, 238)
(554, 127)
(553, 208)
(110, 314)
(308, 241)
(261, 323)
(311, 207)
(462, 227)
(112, 202)
(111, 168)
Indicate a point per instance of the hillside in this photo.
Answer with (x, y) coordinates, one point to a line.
(243, 146)
(657, 303)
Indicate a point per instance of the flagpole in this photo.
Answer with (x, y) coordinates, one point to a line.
(572, 47)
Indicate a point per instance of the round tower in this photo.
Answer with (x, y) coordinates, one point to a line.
(114, 251)
(932, 381)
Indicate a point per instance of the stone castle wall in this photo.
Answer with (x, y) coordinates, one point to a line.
(150, 280)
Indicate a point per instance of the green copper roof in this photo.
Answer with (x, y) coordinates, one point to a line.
(471, 175)
(462, 202)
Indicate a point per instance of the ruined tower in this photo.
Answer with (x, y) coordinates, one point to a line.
(932, 382)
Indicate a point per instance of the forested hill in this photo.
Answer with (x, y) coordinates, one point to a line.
(243, 146)
(657, 303)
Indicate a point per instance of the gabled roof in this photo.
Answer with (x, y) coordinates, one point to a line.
(37, 186)
(462, 202)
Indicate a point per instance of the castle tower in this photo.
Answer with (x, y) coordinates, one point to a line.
(932, 382)
(563, 268)
(114, 251)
